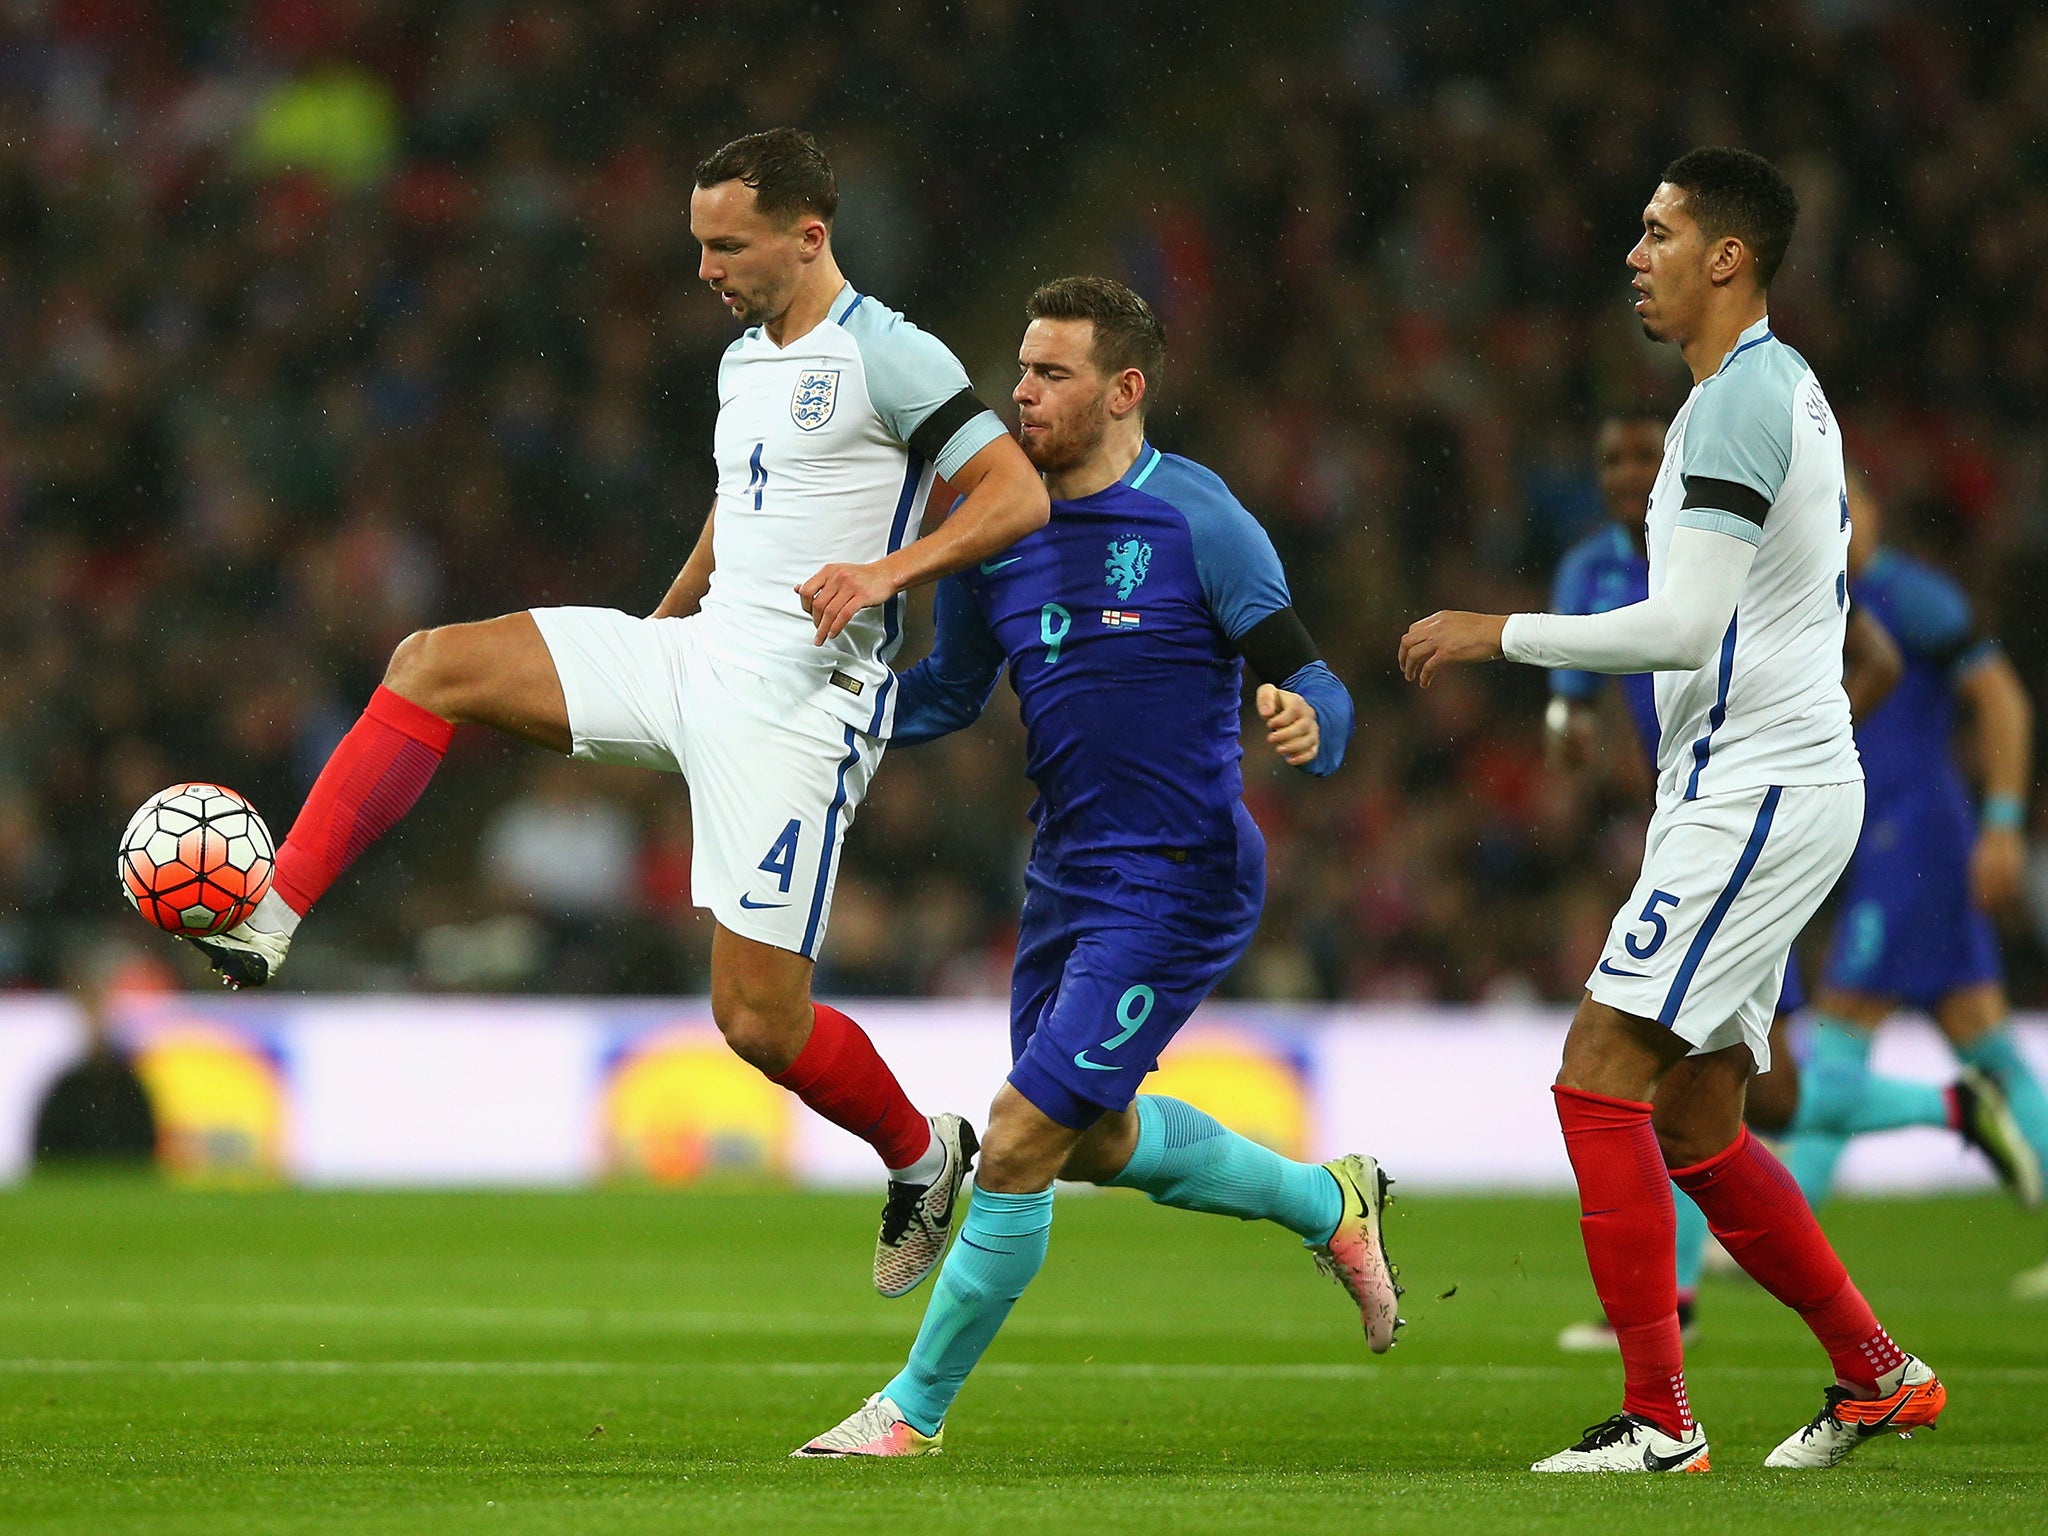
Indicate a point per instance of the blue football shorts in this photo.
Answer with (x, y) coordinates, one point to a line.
(1110, 964)
(1909, 930)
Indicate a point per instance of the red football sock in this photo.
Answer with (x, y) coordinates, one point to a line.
(1755, 1208)
(378, 771)
(1629, 1227)
(841, 1075)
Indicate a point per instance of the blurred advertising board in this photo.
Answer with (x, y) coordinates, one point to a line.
(449, 1091)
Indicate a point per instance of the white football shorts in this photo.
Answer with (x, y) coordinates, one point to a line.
(1728, 882)
(774, 780)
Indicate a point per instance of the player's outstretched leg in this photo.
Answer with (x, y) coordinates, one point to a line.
(1975, 1020)
(496, 673)
(1190, 1160)
(1840, 1098)
(1756, 1209)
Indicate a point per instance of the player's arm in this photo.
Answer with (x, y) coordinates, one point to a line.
(1872, 664)
(921, 393)
(2004, 718)
(687, 591)
(1571, 723)
(1308, 712)
(950, 687)
(1738, 448)
(1674, 630)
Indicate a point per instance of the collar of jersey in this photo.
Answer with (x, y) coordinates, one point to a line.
(1755, 336)
(1142, 466)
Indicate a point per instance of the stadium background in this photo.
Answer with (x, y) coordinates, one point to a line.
(327, 319)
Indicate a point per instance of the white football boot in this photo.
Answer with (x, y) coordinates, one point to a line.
(1626, 1443)
(1356, 1254)
(876, 1428)
(252, 952)
(918, 1218)
(1912, 1397)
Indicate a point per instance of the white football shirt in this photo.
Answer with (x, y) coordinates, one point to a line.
(1756, 452)
(826, 452)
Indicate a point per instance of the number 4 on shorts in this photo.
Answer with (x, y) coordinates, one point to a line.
(781, 860)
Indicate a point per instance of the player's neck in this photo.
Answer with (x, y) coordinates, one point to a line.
(1709, 347)
(1109, 463)
(812, 302)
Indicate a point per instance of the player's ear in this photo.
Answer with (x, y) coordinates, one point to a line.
(1129, 392)
(1725, 260)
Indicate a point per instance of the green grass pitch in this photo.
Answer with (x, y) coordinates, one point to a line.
(626, 1361)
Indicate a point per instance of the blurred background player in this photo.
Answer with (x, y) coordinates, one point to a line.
(1123, 624)
(1606, 570)
(1930, 867)
(1759, 800)
(762, 676)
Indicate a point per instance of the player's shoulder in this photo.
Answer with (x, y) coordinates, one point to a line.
(1916, 596)
(1194, 490)
(1759, 378)
(882, 333)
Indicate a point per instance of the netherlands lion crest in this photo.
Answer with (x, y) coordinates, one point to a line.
(1129, 561)
(817, 391)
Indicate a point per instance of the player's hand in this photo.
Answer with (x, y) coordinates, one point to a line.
(1433, 643)
(1997, 867)
(838, 592)
(1292, 728)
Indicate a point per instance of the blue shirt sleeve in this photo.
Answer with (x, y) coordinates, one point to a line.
(949, 688)
(1336, 719)
(1569, 594)
(1931, 618)
(1239, 569)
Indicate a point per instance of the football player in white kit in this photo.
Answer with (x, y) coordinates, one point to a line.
(762, 676)
(1759, 801)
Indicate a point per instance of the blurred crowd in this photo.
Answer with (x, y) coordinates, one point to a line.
(328, 319)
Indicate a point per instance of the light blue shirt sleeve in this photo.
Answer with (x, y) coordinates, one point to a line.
(949, 689)
(1740, 429)
(1234, 558)
(1336, 718)
(911, 375)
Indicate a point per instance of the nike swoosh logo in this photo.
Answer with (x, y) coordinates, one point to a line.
(1877, 1426)
(761, 906)
(1652, 1462)
(1634, 975)
(990, 567)
(1081, 1060)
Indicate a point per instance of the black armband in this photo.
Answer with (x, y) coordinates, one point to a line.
(937, 429)
(1726, 496)
(1278, 646)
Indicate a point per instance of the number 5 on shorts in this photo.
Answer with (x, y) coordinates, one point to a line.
(1655, 919)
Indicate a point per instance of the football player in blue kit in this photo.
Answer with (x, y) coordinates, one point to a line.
(1914, 927)
(1123, 624)
(1609, 569)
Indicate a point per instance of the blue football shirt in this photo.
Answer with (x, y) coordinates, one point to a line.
(1118, 622)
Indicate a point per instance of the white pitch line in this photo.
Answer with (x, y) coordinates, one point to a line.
(1109, 1370)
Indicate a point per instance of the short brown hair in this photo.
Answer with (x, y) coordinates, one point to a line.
(1127, 333)
(787, 170)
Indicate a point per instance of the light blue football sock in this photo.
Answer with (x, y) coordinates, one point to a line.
(1001, 1244)
(1692, 1240)
(1840, 1096)
(1811, 1158)
(1998, 1055)
(1187, 1159)
(1832, 1075)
